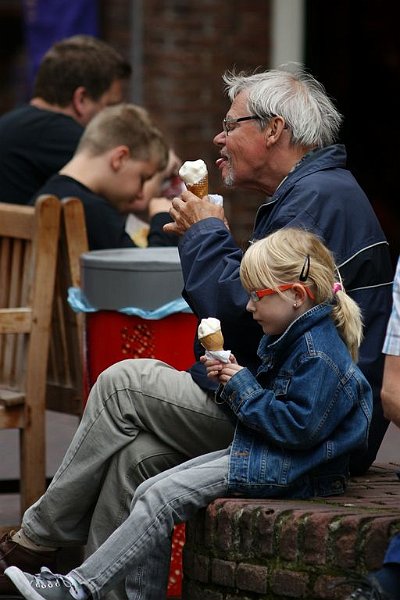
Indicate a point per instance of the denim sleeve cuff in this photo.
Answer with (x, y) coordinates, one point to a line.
(240, 387)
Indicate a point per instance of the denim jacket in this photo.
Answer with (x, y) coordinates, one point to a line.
(301, 416)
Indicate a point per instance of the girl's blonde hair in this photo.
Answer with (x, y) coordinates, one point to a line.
(286, 255)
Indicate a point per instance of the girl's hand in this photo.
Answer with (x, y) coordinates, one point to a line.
(213, 367)
(228, 370)
(221, 372)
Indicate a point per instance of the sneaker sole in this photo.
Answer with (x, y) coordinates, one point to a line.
(22, 584)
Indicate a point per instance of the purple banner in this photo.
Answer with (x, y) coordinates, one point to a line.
(47, 21)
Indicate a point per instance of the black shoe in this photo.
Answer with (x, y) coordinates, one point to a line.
(12, 554)
(368, 588)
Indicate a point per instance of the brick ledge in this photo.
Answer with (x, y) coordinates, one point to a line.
(279, 549)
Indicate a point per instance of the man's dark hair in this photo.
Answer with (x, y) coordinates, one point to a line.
(81, 60)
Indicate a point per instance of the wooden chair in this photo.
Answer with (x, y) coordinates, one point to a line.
(66, 386)
(28, 255)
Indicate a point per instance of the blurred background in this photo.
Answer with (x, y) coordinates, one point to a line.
(180, 48)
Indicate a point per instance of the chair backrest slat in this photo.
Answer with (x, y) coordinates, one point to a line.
(28, 256)
(66, 387)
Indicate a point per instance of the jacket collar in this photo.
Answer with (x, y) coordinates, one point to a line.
(278, 344)
(330, 157)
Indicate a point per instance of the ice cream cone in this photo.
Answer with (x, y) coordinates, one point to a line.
(200, 188)
(194, 174)
(213, 341)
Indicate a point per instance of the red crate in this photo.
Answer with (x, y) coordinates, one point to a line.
(112, 336)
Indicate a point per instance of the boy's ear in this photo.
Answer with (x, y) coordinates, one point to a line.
(118, 156)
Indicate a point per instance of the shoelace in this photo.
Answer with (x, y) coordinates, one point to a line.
(47, 579)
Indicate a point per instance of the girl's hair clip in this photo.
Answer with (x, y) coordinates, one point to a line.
(305, 269)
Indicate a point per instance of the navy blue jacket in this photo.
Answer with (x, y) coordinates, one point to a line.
(323, 196)
(298, 420)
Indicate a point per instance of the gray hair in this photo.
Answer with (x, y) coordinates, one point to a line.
(292, 93)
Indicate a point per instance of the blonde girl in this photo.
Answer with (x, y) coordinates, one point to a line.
(299, 259)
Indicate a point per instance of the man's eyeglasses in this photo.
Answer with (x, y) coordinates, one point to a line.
(229, 124)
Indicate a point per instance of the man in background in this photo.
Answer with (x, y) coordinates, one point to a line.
(77, 77)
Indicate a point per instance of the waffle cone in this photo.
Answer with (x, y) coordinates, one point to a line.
(213, 341)
(200, 188)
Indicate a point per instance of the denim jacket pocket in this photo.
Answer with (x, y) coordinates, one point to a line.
(281, 385)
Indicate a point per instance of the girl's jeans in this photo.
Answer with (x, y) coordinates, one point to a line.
(141, 545)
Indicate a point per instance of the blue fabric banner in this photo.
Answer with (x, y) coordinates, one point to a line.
(48, 21)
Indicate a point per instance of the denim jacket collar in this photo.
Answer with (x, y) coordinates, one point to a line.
(273, 346)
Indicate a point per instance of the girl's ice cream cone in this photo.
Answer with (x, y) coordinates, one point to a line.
(210, 334)
(213, 341)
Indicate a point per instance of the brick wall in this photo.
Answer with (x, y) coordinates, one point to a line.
(275, 549)
(186, 47)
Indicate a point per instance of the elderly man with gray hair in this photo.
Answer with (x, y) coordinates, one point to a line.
(143, 416)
